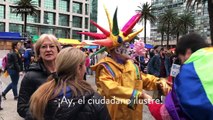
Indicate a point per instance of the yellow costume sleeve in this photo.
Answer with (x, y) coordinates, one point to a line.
(150, 82)
(113, 88)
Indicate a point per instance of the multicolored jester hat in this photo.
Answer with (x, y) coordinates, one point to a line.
(114, 37)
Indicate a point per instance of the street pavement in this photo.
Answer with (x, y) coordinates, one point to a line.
(9, 111)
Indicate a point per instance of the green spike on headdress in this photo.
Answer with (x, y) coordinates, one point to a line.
(115, 30)
(99, 51)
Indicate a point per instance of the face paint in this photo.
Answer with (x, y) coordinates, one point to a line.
(124, 50)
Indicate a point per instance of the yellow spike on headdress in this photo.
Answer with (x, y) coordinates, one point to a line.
(132, 35)
(108, 18)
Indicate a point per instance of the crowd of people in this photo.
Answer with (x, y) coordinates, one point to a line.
(54, 85)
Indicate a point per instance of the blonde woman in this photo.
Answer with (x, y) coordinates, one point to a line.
(66, 96)
(46, 50)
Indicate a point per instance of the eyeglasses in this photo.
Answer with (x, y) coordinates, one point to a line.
(46, 46)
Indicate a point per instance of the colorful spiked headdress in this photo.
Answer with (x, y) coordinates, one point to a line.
(114, 37)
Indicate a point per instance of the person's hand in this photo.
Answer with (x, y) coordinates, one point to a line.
(164, 86)
(169, 83)
(145, 96)
(21, 73)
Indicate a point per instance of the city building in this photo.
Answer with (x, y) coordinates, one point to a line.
(63, 18)
(200, 14)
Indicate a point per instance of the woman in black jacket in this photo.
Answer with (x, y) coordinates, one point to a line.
(46, 50)
(66, 96)
(13, 67)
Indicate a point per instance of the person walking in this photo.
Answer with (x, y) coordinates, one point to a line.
(46, 50)
(1, 90)
(13, 67)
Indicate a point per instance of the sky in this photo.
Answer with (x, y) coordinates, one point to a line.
(126, 9)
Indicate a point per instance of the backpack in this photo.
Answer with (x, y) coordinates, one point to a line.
(4, 62)
(28, 54)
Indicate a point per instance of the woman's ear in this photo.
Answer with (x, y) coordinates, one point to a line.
(79, 68)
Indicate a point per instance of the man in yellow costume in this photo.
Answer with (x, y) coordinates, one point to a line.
(117, 77)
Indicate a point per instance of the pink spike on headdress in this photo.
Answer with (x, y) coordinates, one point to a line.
(104, 42)
(130, 24)
(107, 33)
(94, 35)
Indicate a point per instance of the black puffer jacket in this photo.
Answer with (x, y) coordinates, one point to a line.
(36, 75)
(87, 107)
(14, 61)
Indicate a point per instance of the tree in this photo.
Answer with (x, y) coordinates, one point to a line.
(177, 28)
(161, 29)
(188, 20)
(182, 23)
(26, 7)
(168, 19)
(146, 11)
(210, 10)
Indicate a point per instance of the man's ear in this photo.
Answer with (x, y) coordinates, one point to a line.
(188, 53)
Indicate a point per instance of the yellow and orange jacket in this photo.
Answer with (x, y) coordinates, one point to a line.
(117, 81)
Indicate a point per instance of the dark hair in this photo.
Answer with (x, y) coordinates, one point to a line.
(14, 44)
(162, 49)
(65, 46)
(191, 41)
(28, 45)
(155, 47)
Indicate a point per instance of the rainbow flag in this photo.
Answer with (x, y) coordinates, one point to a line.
(194, 85)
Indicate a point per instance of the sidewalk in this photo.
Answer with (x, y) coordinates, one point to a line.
(9, 111)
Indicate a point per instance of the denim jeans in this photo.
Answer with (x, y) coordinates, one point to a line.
(14, 75)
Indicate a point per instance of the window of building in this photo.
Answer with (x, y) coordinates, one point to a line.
(50, 4)
(2, 27)
(47, 30)
(86, 37)
(77, 8)
(14, 16)
(15, 27)
(2, 12)
(86, 9)
(62, 33)
(77, 22)
(64, 5)
(32, 30)
(86, 23)
(93, 14)
(13, 1)
(75, 34)
(63, 20)
(49, 18)
(34, 18)
(37, 2)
